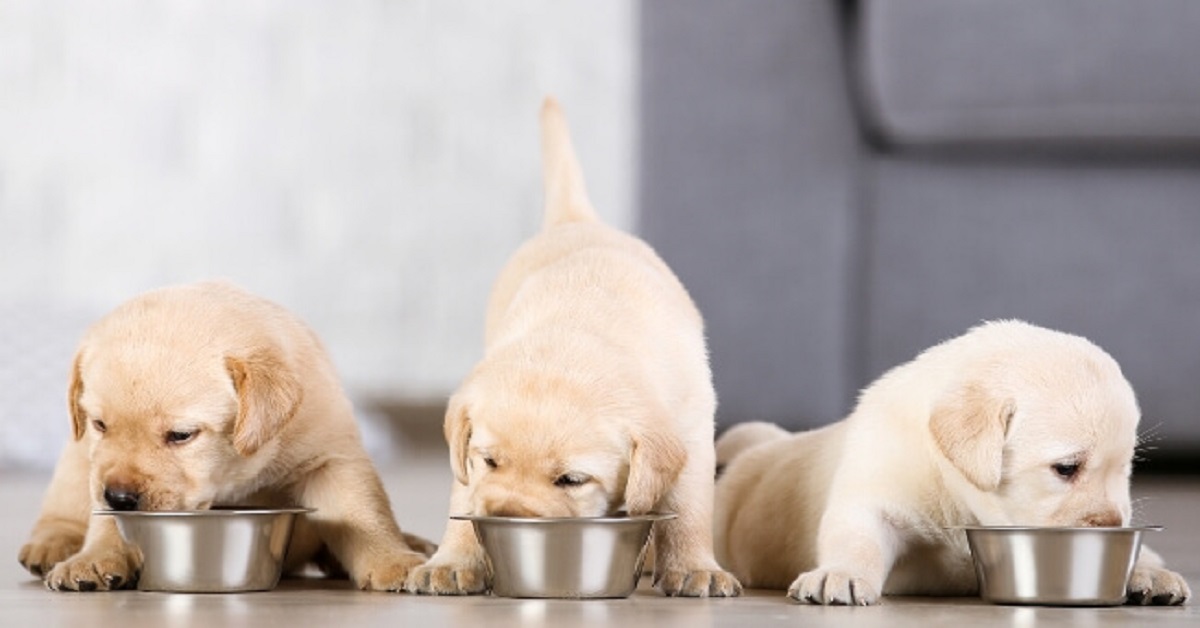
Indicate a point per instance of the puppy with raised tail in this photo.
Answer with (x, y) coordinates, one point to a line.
(593, 395)
(203, 395)
(1009, 424)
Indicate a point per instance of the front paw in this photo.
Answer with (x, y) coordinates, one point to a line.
(1158, 586)
(697, 583)
(454, 577)
(103, 569)
(389, 572)
(48, 547)
(824, 586)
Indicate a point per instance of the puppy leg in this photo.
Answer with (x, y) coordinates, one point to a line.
(1152, 583)
(420, 544)
(459, 567)
(684, 564)
(855, 551)
(63, 522)
(105, 563)
(355, 521)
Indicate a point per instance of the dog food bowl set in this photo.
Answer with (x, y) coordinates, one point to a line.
(235, 550)
(592, 557)
(209, 551)
(1055, 566)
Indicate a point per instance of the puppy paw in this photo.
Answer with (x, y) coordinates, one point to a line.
(697, 583)
(104, 569)
(48, 547)
(822, 586)
(1157, 586)
(388, 572)
(448, 578)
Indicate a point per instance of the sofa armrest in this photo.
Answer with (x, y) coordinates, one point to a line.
(1068, 72)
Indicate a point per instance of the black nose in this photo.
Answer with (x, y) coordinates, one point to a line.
(122, 499)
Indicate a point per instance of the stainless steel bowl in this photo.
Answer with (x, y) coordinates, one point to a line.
(209, 551)
(1055, 566)
(587, 557)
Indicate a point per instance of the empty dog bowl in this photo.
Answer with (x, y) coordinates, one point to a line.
(559, 557)
(1055, 566)
(209, 551)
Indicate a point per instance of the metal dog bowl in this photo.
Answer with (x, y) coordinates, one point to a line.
(1055, 566)
(209, 551)
(564, 557)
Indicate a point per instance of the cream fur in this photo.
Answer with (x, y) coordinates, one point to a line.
(967, 433)
(594, 394)
(271, 427)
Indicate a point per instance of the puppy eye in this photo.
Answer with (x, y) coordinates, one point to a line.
(179, 437)
(568, 480)
(99, 426)
(490, 462)
(1066, 470)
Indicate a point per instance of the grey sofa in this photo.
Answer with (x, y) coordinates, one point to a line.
(841, 184)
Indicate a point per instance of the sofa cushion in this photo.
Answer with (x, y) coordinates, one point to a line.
(1064, 72)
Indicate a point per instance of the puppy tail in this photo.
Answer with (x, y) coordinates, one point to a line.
(744, 436)
(566, 194)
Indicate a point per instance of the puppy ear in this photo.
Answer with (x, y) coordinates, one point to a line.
(969, 424)
(656, 459)
(268, 396)
(457, 428)
(74, 392)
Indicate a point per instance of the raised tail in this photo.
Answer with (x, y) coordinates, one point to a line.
(566, 193)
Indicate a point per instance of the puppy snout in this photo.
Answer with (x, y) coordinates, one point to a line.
(1108, 518)
(508, 508)
(122, 497)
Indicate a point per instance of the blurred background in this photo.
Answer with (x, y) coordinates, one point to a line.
(840, 184)
(369, 165)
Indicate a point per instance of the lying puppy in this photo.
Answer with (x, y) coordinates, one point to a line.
(203, 395)
(594, 394)
(1009, 424)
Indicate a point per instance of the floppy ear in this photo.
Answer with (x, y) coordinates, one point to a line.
(655, 461)
(969, 424)
(268, 396)
(74, 391)
(457, 428)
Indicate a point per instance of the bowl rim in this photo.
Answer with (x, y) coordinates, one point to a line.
(1060, 529)
(650, 516)
(201, 514)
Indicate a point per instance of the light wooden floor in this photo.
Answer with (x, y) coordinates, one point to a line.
(418, 493)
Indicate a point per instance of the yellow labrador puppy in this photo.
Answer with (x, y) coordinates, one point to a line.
(594, 395)
(1009, 424)
(203, 395)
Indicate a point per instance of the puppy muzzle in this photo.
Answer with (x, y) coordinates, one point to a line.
(1105, 519)
(507, 508)
(122, 497)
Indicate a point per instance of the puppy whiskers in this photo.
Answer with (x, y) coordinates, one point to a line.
(1137, 511)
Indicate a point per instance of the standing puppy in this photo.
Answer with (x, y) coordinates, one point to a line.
(203, 395)
(594, 394)
(1009, 424)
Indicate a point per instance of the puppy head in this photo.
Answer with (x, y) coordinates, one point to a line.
(171, 423)
(539, 445)
(1046, 426)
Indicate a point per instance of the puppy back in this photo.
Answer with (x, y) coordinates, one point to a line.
(566, 192)
(744, 436)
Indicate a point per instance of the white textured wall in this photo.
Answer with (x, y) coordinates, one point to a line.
(367, 164)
